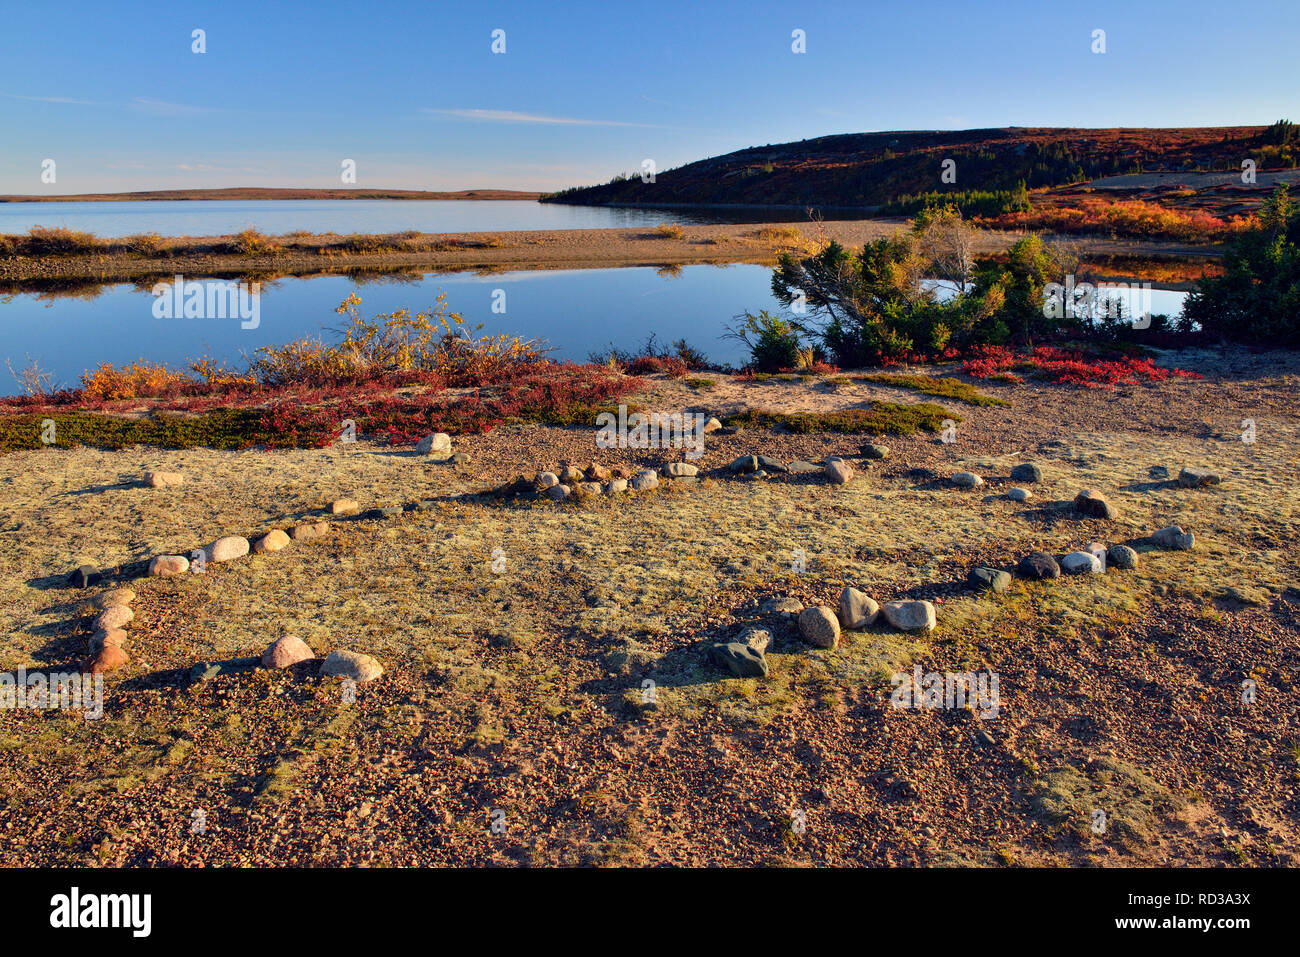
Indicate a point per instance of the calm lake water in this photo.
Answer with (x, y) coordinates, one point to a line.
(576, 311)
(221, 217)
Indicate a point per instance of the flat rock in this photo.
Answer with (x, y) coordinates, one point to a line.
(1174, 537)
(163, 479)
(114, 617)
(771, 465)
(164, 566)
(1197, 478)
(310, 531)
(597, 472)
(819, 627)
(909, 615)
(784, 607)
(587, 488)
(460, 458)
(741, 660)
(873, 451)
(1038, 565)
(350, 664)
(983, 578)
(857, 608)
(1121, 556)
(1094, 504)
(226, 549)
(272, 541)
(839, 472)
(803, 468)
(344, 506)
(286, 651)
(966, 480)
(1078, 563)
(1019, 494)
(757, 638)
(1027, 472)
(681, 470)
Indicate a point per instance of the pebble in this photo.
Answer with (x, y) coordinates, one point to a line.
(857, 609)
(1038, 565)
(983, 578)
(819, 627)
(272, 541)
(286, 651)
(1027, 472)
(1018, 494)
(460, 458)
(163, 479)
(967, 480)
(350, 664)
(909, 615)
(1077, 563)
(1094, 504)
(839, 472)
(164, 566)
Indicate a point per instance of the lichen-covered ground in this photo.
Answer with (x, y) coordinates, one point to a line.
(515, 696)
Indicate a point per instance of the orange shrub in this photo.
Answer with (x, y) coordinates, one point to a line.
(138, 380)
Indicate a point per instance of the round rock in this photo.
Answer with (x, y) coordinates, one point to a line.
(857, 609)
(1038, 565)
(819, 627)
(909, 615)
(350, 664)
(286, 651)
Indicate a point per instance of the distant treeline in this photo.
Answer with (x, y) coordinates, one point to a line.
(971, 202)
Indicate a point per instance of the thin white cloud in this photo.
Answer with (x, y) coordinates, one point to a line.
(513, 116)
(51, 99)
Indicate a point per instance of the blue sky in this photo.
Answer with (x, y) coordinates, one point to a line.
(413, 93)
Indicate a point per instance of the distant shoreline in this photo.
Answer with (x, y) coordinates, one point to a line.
(310, 254)
(270, 193)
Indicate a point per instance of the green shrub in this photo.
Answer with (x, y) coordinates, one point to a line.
(773, 342)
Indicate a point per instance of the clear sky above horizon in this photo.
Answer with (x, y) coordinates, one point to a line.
(413, 93)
